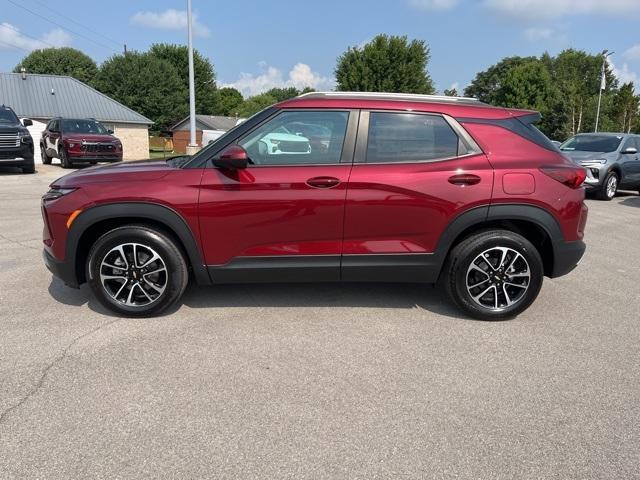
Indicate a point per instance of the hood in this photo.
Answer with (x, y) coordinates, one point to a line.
(11, 127)
(578, 156)
(141, 170)
(286, 137)
(89, 137)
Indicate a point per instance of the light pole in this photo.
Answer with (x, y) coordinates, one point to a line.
(603, 84)
(193, 146)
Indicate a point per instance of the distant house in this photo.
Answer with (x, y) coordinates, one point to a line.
(208, 127)
(43, 97)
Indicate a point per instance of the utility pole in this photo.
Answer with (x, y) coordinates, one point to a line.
(192, 148)
(603, 84)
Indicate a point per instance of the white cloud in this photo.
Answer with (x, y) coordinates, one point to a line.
(11, 38)
(433, 4)
(535, 33)
(632, 53)
(624, 75)
(528, 9)
(300, 76)
(170, 19)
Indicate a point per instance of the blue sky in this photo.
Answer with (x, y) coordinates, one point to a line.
(256, 45)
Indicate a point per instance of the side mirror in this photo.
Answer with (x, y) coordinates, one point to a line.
(109, 131)
(27, 122)
(233, 157)
(630, 151)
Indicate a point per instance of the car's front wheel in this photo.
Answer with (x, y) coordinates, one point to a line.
(609, 187)
(64, 159)
(494, 275)
(46, 159)
(137, 271)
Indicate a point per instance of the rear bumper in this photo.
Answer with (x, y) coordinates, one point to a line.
(60, 269)
(567, 256)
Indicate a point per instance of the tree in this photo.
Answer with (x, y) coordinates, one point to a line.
(147, 84)
(204, 74)
(282, 94)
(60, 61)
(578, 76)
(625, 108)
(256, 103)
(385, 64)
(487, 85)
(451, 92)
(228, 101)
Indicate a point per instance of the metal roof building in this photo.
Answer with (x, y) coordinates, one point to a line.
(48, 96)
(43, 97)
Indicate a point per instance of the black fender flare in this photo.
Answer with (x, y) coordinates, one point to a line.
(158, 213)
(486, 213)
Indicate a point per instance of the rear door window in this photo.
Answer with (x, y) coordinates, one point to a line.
(409, 137)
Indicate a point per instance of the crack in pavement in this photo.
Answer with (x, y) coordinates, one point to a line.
(48, 368)
(18, 242)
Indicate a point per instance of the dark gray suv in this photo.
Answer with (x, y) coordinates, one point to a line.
(612, 161)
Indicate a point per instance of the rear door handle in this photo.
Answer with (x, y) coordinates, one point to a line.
(323, 182)
(464, 179)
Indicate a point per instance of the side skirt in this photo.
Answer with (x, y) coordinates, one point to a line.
(408, 268)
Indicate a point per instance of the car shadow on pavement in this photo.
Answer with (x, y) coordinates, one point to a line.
(322, 295)
(631, 202)
(283, 295)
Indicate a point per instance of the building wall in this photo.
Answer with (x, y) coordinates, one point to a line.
(181, 140)
(135, 140)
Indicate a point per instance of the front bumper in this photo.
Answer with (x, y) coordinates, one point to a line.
(595, 176)
(60, 269)
(16, 157)
(91, 157)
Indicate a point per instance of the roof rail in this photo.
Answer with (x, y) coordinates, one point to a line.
(393, 96)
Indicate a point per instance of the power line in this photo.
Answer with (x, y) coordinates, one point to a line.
(39, 2)
(8, 25)
(11, 45)
(59, 25)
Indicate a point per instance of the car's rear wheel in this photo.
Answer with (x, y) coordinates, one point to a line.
(609, 187)
(64, 159)
(137, 271)
(494, 275)
(46, 159)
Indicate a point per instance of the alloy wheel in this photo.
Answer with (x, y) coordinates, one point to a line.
(612, 186)
(133, 274)
(498, 278)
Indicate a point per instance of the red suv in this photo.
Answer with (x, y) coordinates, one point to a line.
(79, 140)
(395, 188)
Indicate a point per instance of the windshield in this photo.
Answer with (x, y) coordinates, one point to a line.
(83, 126)
(7, 116)
(591, 143)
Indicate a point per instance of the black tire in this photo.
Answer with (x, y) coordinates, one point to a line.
(46, 159)
(30, 167)
(460, 277)
(64, 159)
(609, 187)
(145, 301)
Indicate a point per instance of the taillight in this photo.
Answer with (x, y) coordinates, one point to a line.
(572, 177)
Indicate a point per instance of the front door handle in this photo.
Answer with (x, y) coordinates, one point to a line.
(464, 179)
(323, 182)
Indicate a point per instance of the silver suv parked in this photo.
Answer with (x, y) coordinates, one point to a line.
(611, 159)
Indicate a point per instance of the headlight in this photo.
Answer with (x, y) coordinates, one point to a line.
(25, 136)
(56, 193)
(600, 161)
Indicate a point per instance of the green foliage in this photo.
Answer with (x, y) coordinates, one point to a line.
(256, 103)
(625, 109)
(385, 64)
(564, 89)
(228, 101)
(451, 92)
(60, 61)
(204, 75)
(282, 94)
(147, 84)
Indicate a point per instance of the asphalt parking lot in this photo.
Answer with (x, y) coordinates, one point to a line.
(319, 381)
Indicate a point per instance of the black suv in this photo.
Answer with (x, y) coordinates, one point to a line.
(16, 144)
